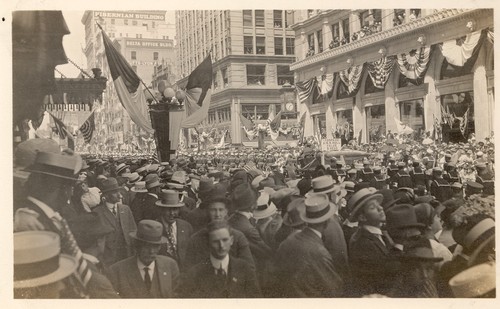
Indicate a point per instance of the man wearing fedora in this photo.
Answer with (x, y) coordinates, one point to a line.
(147, 274)
(48, 189)
(176, 231)
(220, 275)
(119, 217)
(244, 201)
(302, 266)
(198, 249)
(369, 251)
(148, 209)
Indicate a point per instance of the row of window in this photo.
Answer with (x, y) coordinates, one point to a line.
(134, 23)
(256, 75)
(260, 45)
(133, 55)
(280, 18)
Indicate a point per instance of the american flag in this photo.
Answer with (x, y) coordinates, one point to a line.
(60, 128)
(37, 122)
(380, 70)
(88, 128)
(306, 88)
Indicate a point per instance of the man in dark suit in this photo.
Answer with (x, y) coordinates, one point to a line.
(220, 275)
(303, 267)
(148, 209)
(147, 274)
(198, 247)
(119, 217)
(369, 252)
(176, 231)
(244, 200)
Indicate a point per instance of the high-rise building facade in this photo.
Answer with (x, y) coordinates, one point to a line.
(428, 69)
(145, 39)
(251, 52)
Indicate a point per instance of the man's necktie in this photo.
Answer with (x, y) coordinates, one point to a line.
(114, 211)
(221, 272)
(147, 278)
(253, 221)
(172, 250)
(70, 247)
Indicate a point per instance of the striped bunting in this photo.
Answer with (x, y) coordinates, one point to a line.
(60, 128)
(306, 88)
(414, 64)
(351, 77)
(88, 128)
(380, 70)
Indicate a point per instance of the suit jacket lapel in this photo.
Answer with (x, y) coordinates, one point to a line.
(162, 275)
(135, 279)
(109, 215)
(377, 241)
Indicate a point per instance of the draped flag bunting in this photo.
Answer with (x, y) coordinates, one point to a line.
(380, 70)
(462, 55)
(327, 82)
(413, 64)
(60, 128)
(88, 128)
(274, 125)
(198, 93)
(248, 126)
(306, 88)
(463, 121)
(128, 86)
(351, 77)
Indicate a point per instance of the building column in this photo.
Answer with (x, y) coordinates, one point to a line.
(327, 34)
(432, 101)
(304, 46)
(235, 120)
(481, 106)
(391, 108)
(354, 22)
(387, 22)
(330, 119)
(358, 118)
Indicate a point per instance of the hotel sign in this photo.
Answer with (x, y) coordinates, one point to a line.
(146, 43)
(125, 15)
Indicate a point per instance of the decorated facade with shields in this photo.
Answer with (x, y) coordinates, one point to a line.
(364, 74)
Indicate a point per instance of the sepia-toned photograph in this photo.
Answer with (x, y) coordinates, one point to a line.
(253, 153)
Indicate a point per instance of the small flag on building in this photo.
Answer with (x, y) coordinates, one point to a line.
(60, 128)
(88, 128)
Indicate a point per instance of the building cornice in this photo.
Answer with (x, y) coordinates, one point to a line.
(425, 23)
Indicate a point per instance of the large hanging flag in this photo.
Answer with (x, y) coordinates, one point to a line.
(198, 94)
(128, 86)
(306, 88)
(60, 128)
(414, 64)
(327, 82)
(380, 70)
(88, 128)
(248, 126)
(274, 125)
(351, 77)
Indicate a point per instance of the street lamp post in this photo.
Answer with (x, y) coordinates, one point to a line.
(159, 110)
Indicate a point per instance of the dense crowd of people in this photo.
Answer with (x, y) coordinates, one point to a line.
(408, 219)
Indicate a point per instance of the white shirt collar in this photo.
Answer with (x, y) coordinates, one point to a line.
(316, 232)
(247, 214)
(90, 258)
(44, 207)
(217, 264)
(373, 229)
(110, 206)
(141, 266)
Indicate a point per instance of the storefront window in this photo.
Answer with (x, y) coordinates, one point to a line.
(457, 114)
(412, 114)
(375, 122)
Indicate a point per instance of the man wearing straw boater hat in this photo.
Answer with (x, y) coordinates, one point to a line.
(147, 274)
(119, 217)
(304, 268)
(39, 266)
(139, 192)
(48, 189)
(176, 231)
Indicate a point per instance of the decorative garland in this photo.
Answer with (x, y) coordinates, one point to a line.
(413, 64)
(380, 70)
(351, 77)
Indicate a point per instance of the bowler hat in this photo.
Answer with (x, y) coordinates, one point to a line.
(38, 260)
(149, 231)
(401, 216)
(318, 208)
(243, 197)
(55, 164)
(109, 184)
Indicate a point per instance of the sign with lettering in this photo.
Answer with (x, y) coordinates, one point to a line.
(149, 43)
(331, 144)
(125, 15)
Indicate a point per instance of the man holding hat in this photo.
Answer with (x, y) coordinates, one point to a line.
(303, 266)
(176, 231)
(147, 274)
(119, 217)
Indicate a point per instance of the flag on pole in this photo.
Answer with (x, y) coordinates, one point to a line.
(88, 128)
(60, 128)
(275, 123)
(128, 86)
(302, 124)
(360, 136)
(198, 94)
